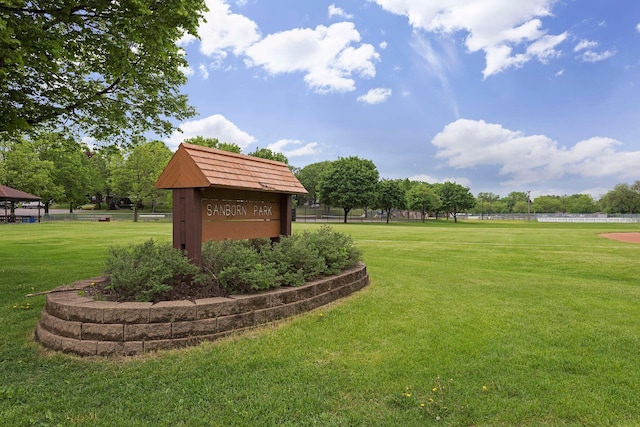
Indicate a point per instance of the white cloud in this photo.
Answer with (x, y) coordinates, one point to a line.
(638, 28)
(216, 126)
(204, 72)
(526, 159)
(496, 27)
(329, 57)
(585, 44)
(375, 96)
(591, 56)
(186, 39)
(383, 45)
(438, 62)
(224, 31)
(302, 149)
(187, 71)
(324, 54)
(336, 11)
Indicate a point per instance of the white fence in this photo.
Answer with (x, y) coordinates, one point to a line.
(588, 219)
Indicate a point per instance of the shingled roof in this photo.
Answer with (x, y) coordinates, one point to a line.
(13, 195)
(194, 166)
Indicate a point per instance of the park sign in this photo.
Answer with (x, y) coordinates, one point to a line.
(219, 195)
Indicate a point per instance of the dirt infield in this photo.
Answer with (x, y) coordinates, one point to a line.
(623, 237)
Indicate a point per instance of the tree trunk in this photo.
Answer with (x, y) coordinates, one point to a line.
(388, 214)
(346, 211)
(135, 211)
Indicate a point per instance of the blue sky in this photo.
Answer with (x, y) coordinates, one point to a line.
(497, 95)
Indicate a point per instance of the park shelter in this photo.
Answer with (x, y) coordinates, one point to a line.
(9, 197)
(219, 195)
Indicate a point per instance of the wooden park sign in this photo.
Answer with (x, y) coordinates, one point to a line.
(219, 195)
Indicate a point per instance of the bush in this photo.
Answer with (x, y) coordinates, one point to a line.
(147, 271)
(295, 260)
(238, 265)
(336, 249)
(150, 271)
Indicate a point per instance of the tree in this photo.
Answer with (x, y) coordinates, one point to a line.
(547, 204)
(104, 68)
(214, 143)
(266, 153)
(309, 177)
(72, 169)
(513, 198)
(349, 182)
(390, 195)
(582, 204)
(22, 168)
(623, 199)
(423, 198)
(456, 198)
(140, 171)
(487, 202)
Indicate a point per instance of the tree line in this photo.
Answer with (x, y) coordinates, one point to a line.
(58, 168)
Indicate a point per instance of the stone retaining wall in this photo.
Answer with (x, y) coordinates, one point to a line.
(77, 324)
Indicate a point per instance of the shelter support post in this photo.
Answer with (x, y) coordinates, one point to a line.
(285, 214)
(187, 222)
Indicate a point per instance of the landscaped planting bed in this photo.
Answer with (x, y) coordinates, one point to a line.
(74, 323)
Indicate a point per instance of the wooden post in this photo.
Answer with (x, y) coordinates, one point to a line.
(285, 214)
(187, 222)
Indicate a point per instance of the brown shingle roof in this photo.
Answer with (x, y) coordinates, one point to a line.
(194, 166)
(13, 195)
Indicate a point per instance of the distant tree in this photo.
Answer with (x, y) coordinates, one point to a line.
(214, 143)
(139, 173)
(104, 68)
(486, 203)
(423, 198)
(72, 170)
(22, 168)
(309, 177)
(349, 182)
(455, 198)
(547, 204)
(513, 198)
(622, 199)
(266, 153)
(390, 195)
(581, 204)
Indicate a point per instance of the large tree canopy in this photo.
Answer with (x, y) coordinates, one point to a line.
(455, 198)
(391, 195)
(349, 182)
(141, 169)
(422, 197)
(107, 68)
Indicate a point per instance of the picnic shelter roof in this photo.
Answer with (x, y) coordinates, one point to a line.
(12, 195)
(194, 166)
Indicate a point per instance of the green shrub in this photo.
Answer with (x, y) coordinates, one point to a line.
(295, 260)
(336, 249)
(239, 266)
(150, 271)
(147, 271)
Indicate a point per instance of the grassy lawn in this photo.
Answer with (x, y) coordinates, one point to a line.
(475, 323)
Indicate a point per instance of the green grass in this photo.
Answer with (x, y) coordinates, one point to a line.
(511, 323)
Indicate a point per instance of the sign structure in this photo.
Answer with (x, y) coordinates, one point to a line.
(218, 195)
(239, 215)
